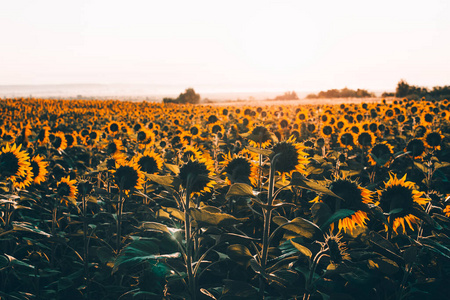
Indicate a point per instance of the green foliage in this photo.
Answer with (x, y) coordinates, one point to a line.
(188, 97)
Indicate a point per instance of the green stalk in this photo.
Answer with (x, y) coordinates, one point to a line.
(188, 237)
(267, 220)
(119, 220)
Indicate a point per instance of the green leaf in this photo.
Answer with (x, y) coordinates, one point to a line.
(240, 254)
(439, 165)
(23, 226)
(338, 215)
(153, 226)
(216, 219)
(173, 168)
(385, 265)
(301, 181)
(238, 290)
(171, 212)
(166, 181)
(305, 251)
(240, 189)
(139, 251)
(421, 167)
(265, 152)
(300, 226)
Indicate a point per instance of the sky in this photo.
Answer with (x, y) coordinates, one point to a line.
(226, 45)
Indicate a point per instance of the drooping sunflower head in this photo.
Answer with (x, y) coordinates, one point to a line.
(290, 157)
(352, 197)
(336, 248)
(381, 154)
(417, 148)
(128, 176)
(260, 136)
(22, 182)
(399, 198)
(433, 140)
(114, 147)
(149, 162)
(240, 168)
(196, 175)
(67, 188)
(13, 162)
(39, 169)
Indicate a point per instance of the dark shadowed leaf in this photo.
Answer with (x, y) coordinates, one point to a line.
(240, 254)
(301, 181)
(240, 189)
(203, 217)
(300, 226)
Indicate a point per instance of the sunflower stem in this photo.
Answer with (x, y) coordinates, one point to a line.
(188, 237)
(119, 220)
(267, 219)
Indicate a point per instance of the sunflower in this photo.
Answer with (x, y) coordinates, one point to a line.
(22, 182)
(195, 131)
(113, 127)
(291, 157)
(260, 136)
(401, 200)
(433, 140)
(326, 131)
(43, 135)
(14, 162)
(347, 140)
(128, 175)
(59, 141)
(239, 168)
(39, 169)
(114, 147)
(447, 211)
(416, 147)
(195, 175)
(365, 139)
(71, 139)
(381, 154)
(150, 162)
(66, 189)
(336, 249)
(353, 197)
(189, 152)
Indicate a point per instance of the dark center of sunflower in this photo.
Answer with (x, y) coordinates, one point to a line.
(396, 197)
(69, 139)
(199, 174)
(9, 164)
(114, 127)
(365, 139)
(327, 130)
(348, 191)
(57, 142)
(381, 151)
(216, 128)
(194, 130)
(347, 139)
(41, 135)
(434, 139)
(284, 123)
(416, 147)
(63, 189)
(141, 136)
(288, 158)
(373, 127)
(238, 170)
(35, 169)
(355, 129)
(112, 148)
(148, 164)
(126, 177)
(428, 118)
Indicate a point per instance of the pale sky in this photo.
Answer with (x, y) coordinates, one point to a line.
(229, 45)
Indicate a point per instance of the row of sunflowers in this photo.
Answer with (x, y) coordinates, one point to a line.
(140, 200)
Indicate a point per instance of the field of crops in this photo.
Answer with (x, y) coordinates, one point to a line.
(139, 200)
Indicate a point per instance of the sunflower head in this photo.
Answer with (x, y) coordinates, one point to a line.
(289, 157)
(260, 136)
(39, 169)
(400, 199)
(150, 162)
(128, 175)
(347, 140)
(417, 148)
(352, 197)
(66, 189)
(196, 175)
(239, 168)
(336, 248)
(365, 139)
(59, 141)
(433, 140)
(189, 152)
(380, 154)
(14, 162)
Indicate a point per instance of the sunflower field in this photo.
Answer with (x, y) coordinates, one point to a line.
(140, 200)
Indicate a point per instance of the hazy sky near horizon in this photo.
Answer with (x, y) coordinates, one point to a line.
(227, 45)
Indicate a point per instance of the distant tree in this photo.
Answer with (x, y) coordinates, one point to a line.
(343, 93)
(189, 96)
(287, 96)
